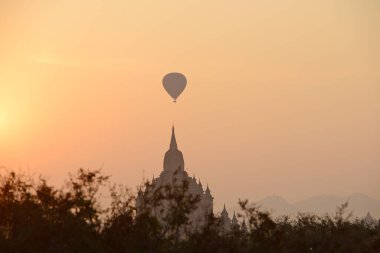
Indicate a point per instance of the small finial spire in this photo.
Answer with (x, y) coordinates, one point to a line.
(234, 220)
(173, 142)
(224, 212)
(208, 192)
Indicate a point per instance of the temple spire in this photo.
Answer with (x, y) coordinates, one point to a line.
(224, 210)
(173, 142)
(234, 220)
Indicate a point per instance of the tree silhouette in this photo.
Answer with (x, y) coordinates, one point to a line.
(38, 217)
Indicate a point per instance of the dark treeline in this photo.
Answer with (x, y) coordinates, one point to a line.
(38, 217)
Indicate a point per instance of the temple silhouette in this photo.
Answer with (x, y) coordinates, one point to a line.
(174, 171)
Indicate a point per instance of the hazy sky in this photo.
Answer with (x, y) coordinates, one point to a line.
(283, 97)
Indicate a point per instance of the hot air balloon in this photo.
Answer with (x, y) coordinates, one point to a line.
(174, 84)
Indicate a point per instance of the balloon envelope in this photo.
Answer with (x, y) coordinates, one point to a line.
(174, 84)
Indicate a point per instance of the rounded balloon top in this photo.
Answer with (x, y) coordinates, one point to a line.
(174, 84)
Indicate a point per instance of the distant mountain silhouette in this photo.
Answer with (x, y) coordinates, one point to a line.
(358, 203)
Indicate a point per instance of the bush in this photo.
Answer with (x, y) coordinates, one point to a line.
(38, 217)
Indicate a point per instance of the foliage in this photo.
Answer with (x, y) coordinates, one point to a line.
(38, 217)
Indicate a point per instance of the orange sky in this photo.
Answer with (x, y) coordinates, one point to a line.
(282, 96)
